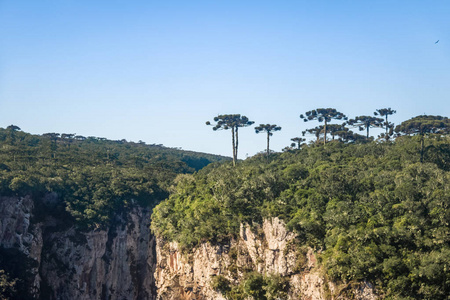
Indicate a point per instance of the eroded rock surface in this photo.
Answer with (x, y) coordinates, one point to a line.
(269, 249)
(126, 262)
(116, 263)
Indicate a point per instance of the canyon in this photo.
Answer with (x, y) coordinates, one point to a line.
(55, 260)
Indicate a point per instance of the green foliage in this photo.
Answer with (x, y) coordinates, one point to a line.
(316, 131)
(221, 284)
(377, 213)
(233, 122)
(94, 178)
(424, 124)
(298, 141)
(253, 286)
(386, 112)
(337, 132)
(366, 122)
(7, 286)
(325, 115)
(275, 287)
(269, 129)
(211, 205)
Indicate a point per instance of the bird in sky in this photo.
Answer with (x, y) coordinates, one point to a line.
(437, 42)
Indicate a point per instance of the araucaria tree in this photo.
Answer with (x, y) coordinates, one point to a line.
(297, 141)
(316, 131)
(337, 130)
(385, 112)
(12, 133)
(269, 129)
(365, 122)
(323, 115)
(232, 122)
(422, 125)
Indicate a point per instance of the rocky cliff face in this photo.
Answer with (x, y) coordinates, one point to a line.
(269, 249)
(57, 262)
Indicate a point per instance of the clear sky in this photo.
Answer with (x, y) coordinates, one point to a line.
(158, 70)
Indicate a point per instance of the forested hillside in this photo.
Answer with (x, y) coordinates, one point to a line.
(94, 177)
(375, 211)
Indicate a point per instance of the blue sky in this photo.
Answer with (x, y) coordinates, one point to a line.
(158, 70)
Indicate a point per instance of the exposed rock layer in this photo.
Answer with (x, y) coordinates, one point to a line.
(268, 250)
(126, 262)
(117, 263)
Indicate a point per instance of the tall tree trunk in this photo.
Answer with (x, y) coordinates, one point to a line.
(234, 145)
(421, 149)
(367, 128)
(268, 149)
(387, 124)
(325, 131)
(387, 128)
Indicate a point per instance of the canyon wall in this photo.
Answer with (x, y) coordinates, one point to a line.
(53, 260)
(58, 262)
(268, 249)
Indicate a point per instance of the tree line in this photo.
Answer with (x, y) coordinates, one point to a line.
(374, 211)
(94, 177)
(419, 125)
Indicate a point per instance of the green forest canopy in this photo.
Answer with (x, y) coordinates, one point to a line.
(373, 210)
(377, 211)
(93, 177)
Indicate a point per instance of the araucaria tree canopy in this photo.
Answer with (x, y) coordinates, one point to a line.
(233, 122)
(324, 115)
(365, 122)
(385, 112)
(269, 129)
(422, 125)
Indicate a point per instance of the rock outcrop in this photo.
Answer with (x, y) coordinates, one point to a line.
(269, 249)
(63, 263)
(53, 260)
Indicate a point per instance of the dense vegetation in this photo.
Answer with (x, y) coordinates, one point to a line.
(374, 210)
(253, 286)
(93, 177)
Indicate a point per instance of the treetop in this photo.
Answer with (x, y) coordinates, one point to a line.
(424, 124)
(269, 128)
(366, 121)
(384, 112)
(323, 114)
(228, 121)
